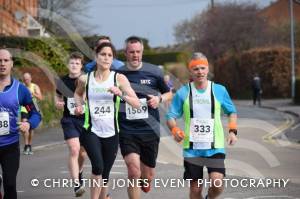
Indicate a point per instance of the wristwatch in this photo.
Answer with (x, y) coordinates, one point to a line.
(160, 99)
(233, 131)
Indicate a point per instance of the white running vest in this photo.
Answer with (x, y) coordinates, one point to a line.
(101, 105)
(202, 118)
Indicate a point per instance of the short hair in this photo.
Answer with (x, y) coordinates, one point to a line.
(76, 55)
(102, 37)
(198, 55)
(106, 44)
(133, 39)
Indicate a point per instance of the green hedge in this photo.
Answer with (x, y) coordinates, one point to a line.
(50, 114)
(51, 51)
(273, 65)
(55, 51)
(297, 91)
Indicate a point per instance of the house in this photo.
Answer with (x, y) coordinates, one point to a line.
(18, 18)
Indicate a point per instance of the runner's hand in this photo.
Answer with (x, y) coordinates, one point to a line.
(178, 134)
(115, 90)
(79, 110)
(231, 139)
(24, 126)
(153, 102)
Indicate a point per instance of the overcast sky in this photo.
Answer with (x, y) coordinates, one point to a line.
(152, 19)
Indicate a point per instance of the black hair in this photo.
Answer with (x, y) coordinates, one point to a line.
(106, 44)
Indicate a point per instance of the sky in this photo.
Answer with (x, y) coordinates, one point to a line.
(151, 19)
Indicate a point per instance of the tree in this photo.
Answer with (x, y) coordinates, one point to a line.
(74, 12)
(225, 28)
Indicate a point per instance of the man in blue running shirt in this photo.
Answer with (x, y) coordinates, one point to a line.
(18, 95)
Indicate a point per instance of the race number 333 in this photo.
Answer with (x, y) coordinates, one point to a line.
(134, 114)
(4, 123)
(201, 130)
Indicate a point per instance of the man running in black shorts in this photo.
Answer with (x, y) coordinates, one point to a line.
(71, 124)
(140, 128)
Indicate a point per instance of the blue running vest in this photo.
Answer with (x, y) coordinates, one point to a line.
(9, 103)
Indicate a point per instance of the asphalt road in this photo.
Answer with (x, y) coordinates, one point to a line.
(257, 158)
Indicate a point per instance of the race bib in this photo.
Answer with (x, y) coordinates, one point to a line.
(4, 123)
(202, 130)
(72, 105)
(101, 109)
(134, 114)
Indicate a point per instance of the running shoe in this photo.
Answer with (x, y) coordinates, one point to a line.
(79, 191)
(30, 150)
(26, 150)
(145, 187)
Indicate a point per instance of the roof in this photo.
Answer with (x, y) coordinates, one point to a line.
(279, 12)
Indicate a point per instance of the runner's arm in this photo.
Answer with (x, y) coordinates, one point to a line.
(127, 93)
(37, 93)
(79, 94)
(25, 99)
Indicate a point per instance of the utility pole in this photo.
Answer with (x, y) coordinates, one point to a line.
(292, 50)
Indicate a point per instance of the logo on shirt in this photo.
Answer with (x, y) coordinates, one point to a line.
(145, 81)
(99, 90)
(202, 101)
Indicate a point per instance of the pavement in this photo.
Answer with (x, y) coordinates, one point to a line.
(285, 106)
(170, 161)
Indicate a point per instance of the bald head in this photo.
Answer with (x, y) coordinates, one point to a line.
(6, 63)
(27, 78)
(5, 53)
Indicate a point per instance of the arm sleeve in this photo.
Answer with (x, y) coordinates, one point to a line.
(227, 103)
(176, 108)
(25, 99)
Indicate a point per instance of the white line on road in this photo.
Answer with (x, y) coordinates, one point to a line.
(116, 172)
(294, 127)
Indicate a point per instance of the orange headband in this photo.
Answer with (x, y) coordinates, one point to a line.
(196, 62)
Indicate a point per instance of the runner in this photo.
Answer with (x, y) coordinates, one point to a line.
(18, 95)
(103, 89)
(116, 64)
(36, 96)
(71, 124)
(140, 128)
(201, 101)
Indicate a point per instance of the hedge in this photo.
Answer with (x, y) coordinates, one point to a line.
(55, 51)
(272, 64)
(52, 51)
